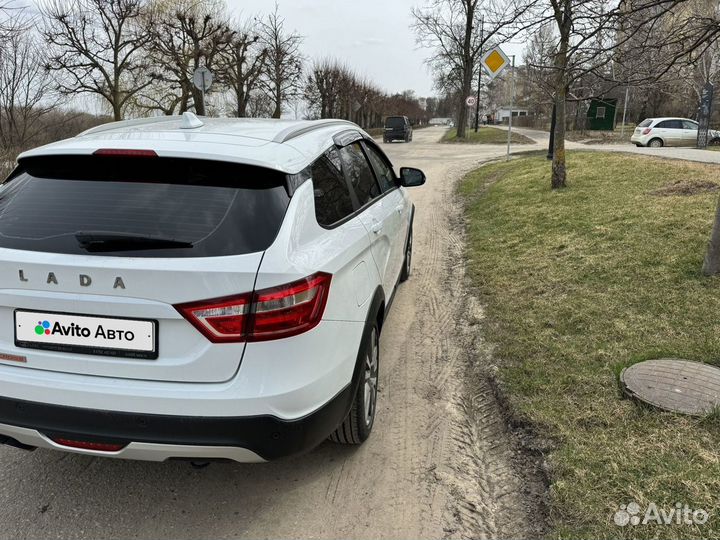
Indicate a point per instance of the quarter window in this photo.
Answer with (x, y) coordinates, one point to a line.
(358, 172)
(332, 195)
(384, 173)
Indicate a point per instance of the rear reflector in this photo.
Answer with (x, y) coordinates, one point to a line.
(274, 313)
(124, 152)
(85, 445)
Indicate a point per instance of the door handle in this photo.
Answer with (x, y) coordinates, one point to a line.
(399, 208)
(376, 227)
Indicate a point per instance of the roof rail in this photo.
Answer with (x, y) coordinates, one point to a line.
(306, 127)
(130, 123)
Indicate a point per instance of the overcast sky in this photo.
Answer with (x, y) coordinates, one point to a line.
(372, 36)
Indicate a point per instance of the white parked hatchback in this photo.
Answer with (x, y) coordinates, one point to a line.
(659, 132)
(185, 288)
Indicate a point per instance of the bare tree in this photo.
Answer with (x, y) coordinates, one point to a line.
(458, 31)
(26, 93)
(184, 36)
(598, 38)
(95, 48)
(323, 87)
(242, 64)
(283, 78)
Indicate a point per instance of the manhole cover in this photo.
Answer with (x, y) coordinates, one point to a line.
(674, 385)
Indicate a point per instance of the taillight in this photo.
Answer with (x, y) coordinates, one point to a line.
(646, 131)
(290, 309)
(221, 320)
(273, 313)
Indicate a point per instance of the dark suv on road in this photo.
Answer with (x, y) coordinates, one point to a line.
(397, 128)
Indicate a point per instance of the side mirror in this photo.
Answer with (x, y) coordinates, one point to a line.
(411, 177)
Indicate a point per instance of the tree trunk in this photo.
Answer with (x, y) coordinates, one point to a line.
(711, 265)
(559, 172)
(468, 65)
(199, 102)
(558, 162)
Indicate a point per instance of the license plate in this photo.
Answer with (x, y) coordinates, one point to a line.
(84, 334)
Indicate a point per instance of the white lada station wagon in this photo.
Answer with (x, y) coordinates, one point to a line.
(192, 288)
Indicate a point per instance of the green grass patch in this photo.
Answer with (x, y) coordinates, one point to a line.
(579, 283)
(485, 135)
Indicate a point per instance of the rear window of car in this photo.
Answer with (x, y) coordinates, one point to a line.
(395, 122)
(645, 123)
(141, 207)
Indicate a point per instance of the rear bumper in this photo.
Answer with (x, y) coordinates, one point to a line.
(160, 437)
(395, 135)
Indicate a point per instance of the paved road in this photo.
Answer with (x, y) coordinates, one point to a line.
(439, 463)
(689, 154)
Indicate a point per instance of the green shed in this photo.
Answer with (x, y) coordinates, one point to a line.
(601, 114)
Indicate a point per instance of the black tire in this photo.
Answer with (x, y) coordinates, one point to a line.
(407, 262)
(358, 424)
(656, 143)
(385, 141)
(714, 142)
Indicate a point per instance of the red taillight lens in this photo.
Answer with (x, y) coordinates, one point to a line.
(221, 320)
(124, 152)
(100, 447)
(290, 309)
(268, 314)
(646, 131)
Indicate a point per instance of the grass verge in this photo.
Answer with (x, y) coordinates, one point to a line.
(485, 135)
(579, 283)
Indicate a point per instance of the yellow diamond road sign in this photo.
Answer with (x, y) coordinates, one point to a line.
(494, 61)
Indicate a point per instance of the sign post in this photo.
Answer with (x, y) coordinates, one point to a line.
(512, 103)
(704, 112)
(477, 104)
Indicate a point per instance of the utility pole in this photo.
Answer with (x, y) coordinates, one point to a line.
(512, 104)
(622, 128)
(477, 104)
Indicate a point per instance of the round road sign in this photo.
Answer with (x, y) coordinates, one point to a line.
(471, 101)
(202, 78)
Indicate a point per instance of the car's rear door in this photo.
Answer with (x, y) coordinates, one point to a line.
(690, 133)
(376, 212)
(392, 198)
(670, 131)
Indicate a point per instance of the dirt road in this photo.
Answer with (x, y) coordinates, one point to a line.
(439, 463)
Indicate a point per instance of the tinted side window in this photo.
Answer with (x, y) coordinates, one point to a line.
(358, 172)
(645, 123)
(687, 124)
(332, 195)
(384, 173)
(670, 124)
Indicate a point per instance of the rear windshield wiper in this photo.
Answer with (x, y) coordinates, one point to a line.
(107, 242)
